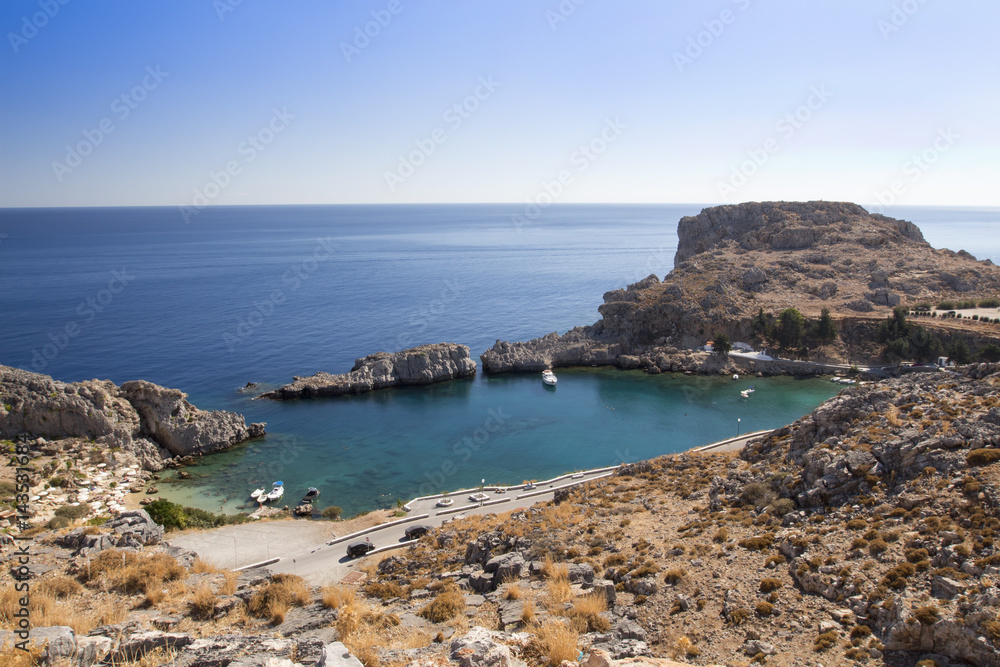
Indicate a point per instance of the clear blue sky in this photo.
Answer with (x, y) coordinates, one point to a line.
(892, 84)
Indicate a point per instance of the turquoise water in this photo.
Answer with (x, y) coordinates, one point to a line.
(195, 314)
(370, 450)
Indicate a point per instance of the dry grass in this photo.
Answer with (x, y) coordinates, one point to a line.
(335, 597)
(528, 613)
(46, 609)
(588, 608)
(512, 591)
(559, 641)
(202, 566)
(203, 602)
(447, 605)
(559, 592)
(281, 594)
(228, 586)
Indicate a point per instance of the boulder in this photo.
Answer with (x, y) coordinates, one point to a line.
(482, 648)
(337, 655)
(57, 641)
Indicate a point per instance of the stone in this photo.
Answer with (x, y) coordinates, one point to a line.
(505, 568)
(946, 589)
(755, 646)
(482, 648)
(91, 650)
(581, 572)
(626, 629)
(607, 588)
(337, 655)
(142, 643)
(57, 641)
(421, 365)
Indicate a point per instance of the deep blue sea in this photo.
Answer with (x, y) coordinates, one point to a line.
(264, 293)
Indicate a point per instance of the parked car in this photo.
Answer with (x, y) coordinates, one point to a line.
(359, 548)
(413, 532)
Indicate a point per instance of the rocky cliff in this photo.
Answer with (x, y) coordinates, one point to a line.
(732, 261)
(425, 364)
(151, 422)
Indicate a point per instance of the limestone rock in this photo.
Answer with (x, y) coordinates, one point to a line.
(425, 364)
(337, 655)
(482, 648)
(144, 420)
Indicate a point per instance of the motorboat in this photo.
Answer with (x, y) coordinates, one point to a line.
(258, 493)
(311, 494)
(445, 502)
(746, 392)
(548, 377)
(277, 491)
(736, 376)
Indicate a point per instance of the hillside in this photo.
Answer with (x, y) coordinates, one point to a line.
(735, 261)
(864, 533)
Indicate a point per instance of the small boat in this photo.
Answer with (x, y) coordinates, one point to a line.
(548, 377)
(746, 392)
(258, 493)
(445, 502)
(736, 376)
(311, 494)
(276, 492)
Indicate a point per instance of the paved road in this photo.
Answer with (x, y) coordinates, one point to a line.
(308, 548)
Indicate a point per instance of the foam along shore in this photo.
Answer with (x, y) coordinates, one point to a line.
(426, 364)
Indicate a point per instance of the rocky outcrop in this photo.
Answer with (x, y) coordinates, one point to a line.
(421, 365)
(151, 422)
(733, 261)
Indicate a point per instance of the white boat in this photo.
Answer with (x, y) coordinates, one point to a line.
(736, 376)
(548, 377)
(445, 502)
(258, 493)
(746, 392)
(276, 492)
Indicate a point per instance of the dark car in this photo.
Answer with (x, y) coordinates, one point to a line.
(360, 548)
(413, 532)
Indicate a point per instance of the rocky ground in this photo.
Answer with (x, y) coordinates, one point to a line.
(143, 423)
(865, 533)
(733, 261)
(425, 364)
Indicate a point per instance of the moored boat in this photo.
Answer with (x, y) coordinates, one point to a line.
(548, 377)
(746, 392)
(256, 494)
(277, 491)
(311, 494)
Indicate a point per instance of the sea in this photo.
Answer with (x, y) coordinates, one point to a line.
(261, 294)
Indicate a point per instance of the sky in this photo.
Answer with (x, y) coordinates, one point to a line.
(227, 102)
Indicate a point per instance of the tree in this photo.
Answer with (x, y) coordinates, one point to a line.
(721, 345)
(958, 352)
(761, 325)
(826, 330)
(791, 326)
(990, 352)
(332, 512)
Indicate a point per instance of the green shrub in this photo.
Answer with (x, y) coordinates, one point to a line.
(769, 584)
(946, 305)
(332, 512)
(72, 513)
(989, 303)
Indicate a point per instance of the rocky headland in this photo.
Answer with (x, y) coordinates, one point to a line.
(144, 423)
(863, 534)
(421, 365)
(734, 261)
